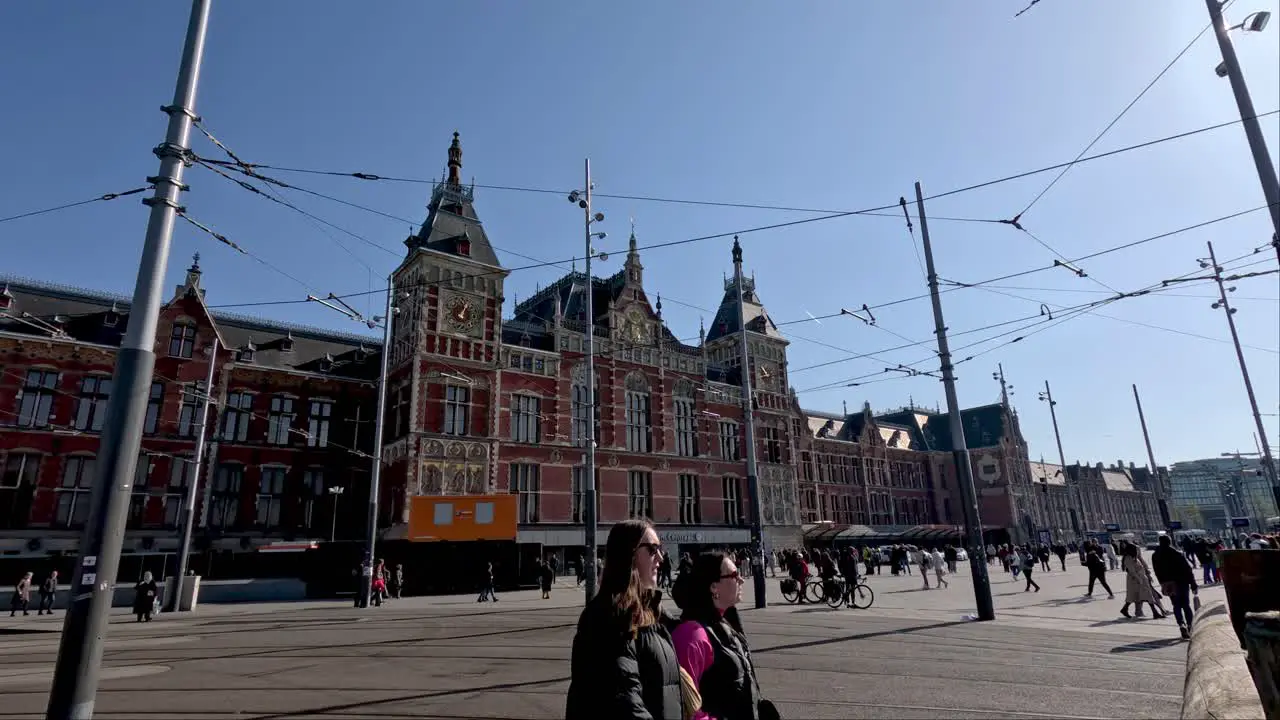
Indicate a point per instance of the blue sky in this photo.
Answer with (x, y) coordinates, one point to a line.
(838, 105)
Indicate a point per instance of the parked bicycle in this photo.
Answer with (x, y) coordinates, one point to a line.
(837, 591)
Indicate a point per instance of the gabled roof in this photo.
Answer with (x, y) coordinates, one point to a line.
(452, 226)
(753, 312)
(86, 313)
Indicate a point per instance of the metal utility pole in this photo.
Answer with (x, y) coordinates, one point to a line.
(1157, 485)
(1268, 464)
(959, 448)
(75, 678)
(1081, 525)
(189, 503)
(335, 492)
(589, 470)
(1249, 118)
(749, 435)
(371, 542)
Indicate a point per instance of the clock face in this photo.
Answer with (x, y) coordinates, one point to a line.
(462, 314)
(636, 327)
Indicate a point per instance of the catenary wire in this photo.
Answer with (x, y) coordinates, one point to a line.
(100, 198)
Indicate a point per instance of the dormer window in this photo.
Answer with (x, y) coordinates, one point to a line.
(111, 319)
(326, 363)
(464, 247)
(286, 344)
(6, 298)
(245, 354)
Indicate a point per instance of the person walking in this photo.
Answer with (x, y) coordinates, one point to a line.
(48, 591)
(711, 645)
(1029, 560)
(144, 597)
(939, 571)
(623, 665)
(21, 599)
(486, 584)
(1137, 583)
(1177, 581)
(1097, 571)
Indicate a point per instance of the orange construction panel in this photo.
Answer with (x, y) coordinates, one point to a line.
(462, 517)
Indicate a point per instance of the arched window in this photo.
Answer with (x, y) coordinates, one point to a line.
(686, 429)
(582, 415)
(639, 419)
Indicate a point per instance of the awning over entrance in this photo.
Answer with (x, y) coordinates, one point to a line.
(913, 535)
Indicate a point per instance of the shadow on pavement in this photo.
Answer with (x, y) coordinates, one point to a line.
(1148, 645)
(860, 636)
(409, 698)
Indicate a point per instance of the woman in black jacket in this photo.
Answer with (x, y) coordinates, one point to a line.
(711, 645)
(624, 667)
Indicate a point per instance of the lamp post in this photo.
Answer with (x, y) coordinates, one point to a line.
(1230, 68)
(1081, 525)
(583, 200)
(336, 493)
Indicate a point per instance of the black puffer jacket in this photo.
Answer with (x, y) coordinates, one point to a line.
(618, 677)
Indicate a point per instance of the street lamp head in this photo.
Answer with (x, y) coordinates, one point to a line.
(573, 196)
(1256, 22)
(1220, 71)
(599, 217)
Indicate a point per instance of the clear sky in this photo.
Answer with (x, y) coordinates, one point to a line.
(829, 105)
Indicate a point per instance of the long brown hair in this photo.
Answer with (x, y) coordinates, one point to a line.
(620, 585)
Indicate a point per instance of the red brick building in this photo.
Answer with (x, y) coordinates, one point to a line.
(476, 403)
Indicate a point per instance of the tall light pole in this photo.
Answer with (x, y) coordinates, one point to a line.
(335, 492)
(1269, 466)
(371, 541)
(1248, 116)
(583, 200)
(1157, 486)
(75, 678)
(189, 503)
(1080, 525)
(959, 447)
(749, 435)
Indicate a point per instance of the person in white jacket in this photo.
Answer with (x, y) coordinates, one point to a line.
(939, 569)
(1113, 562)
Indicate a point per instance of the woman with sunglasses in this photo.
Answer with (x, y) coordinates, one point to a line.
(624, 666)
(711, 645)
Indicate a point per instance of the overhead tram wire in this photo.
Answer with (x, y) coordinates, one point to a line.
(238, 248)
(837, 214)
(100, 198)
(827, 214)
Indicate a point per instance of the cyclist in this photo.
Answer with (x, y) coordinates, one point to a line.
(849, 569)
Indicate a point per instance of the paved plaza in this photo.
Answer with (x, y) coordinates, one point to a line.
(915, 654)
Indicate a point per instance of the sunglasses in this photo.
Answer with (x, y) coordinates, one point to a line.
(736, 575)
(653, 548)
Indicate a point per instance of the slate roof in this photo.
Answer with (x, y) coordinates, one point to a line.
(452, 226)
(85, 313)
(753, 311)
(1051, 474)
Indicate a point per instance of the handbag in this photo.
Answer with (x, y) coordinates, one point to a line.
(690, 698)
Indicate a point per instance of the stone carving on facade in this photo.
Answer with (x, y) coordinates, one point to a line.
(431, 484)
(613, 461)
(476, 482)
(456, 450)
(556, 456)
(477, 452)
(435, 448)
(458, 483)
(664, 465)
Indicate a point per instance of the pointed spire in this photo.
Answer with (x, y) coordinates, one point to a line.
(632, 265)
(455, 161)
(702, 331)
(658, 308)
(845, 404)
(737, 251)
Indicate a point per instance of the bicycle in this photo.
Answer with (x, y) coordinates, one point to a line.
(861, 596)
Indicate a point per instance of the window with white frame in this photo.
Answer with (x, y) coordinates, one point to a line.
(181, 472)
(313, 488)
(729, 440)
(583, 416)
(37, 398)
(138, 498)
(525, 484)
(639, 428)
(690, 499)
(772, 444)
(270, 497)
(686, 427)
(526, 416)
(236, 415)
(318, 414)
(457, 406)
(189, 418)
(91, 403)
(78, 473)
(578, 495)
(182, 341)
(732, 502)
(17, 489)
(639, 494)
(280, 420)
(224, 496)
(155, 400)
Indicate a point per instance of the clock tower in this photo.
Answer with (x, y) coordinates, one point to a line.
(444, 366)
